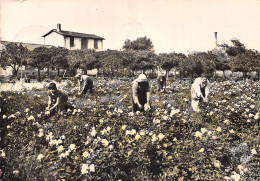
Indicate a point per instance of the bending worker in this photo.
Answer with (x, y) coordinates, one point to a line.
(85, 84)
(199, 92)
(161, 81)
(58, 99)
(140, 93)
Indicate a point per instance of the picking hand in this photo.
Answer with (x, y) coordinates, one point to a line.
(147, 107)
(140, 106)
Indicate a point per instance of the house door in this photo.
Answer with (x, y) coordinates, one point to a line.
(84, 44)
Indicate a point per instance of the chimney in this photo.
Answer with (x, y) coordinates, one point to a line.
(216, 38)
(58, 27)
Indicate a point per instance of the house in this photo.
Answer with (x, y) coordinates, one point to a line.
(73, 40)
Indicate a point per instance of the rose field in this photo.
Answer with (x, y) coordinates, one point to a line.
(101, 139)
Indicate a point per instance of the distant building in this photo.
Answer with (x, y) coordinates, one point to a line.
(30, 46)
(73, 40)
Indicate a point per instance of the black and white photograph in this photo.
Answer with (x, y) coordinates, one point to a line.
(129, 90)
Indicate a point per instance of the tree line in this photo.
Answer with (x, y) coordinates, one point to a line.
(135, 55)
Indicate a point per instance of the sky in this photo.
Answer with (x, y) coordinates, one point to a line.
(179, 26)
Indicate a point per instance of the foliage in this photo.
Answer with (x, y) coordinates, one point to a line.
(75, 58)
(142, 43)
(138, 55)
(100, 140)
(15, 55)
(222, 59)
(246, 62)
(59, 57)
(40, 58)
(236, 49)
(198, 63)
(90, 61)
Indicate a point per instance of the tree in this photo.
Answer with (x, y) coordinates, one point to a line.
(242, 59)
(75, 59)
(169, 61)
(198, 63)
(111, 61)
(142, 43)
(59, 58)
(222, 59)
(15, 55)
(143, 60)
(236, 49)
(40, 58)
(246, 62)
(128, 60)
(90, 61)
(165, 62)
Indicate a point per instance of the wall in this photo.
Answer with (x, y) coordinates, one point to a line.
(100, 45)
(59, 40)
(77, 43)
(91, 44)
(54, 39)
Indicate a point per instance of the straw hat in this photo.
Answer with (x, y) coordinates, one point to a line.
(141, 78)
(77, 75)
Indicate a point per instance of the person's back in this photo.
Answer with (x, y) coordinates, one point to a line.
(86, 79)
(59, 93)
(86, 83)
(57, 98)
(161, 81)
(142, 89)
(199, 92)
(140, 93)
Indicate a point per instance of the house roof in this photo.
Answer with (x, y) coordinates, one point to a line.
(30, 46)
(74, 34)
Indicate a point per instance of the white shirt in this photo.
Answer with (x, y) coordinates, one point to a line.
(195, 88)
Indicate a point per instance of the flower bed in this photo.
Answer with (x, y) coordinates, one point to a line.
(101, 140)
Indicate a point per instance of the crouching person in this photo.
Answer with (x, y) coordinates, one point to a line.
(199, 92)
(140, 94)
(161, 81)
(58, 99)
(85, 84)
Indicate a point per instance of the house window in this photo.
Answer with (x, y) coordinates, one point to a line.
(71, 41)
(96, 44)
(84, 43)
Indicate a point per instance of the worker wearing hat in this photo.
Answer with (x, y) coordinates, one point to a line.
(140, 93)
(85, 84)
(57, 98)
(199, 92)
(161, 81)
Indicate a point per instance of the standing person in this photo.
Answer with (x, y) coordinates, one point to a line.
(58, 99)
(1, 104)
(199, 92)
(140, 93)
(161, 81)
(85, 84)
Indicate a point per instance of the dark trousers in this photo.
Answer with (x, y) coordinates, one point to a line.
(142, 101)
(88, 87)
